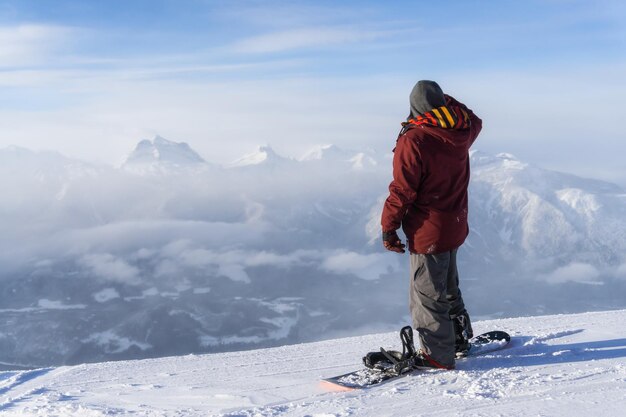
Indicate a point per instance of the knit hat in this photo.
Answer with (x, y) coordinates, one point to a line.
(426, 95)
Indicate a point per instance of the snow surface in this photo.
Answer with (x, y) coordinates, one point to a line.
(563, 365)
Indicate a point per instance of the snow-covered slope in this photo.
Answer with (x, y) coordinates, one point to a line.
(546, 214)
(566, 365)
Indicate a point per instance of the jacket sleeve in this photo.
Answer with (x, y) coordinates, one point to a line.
(403, 189)
(476, 123)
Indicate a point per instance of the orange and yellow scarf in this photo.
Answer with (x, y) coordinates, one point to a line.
(447, 117)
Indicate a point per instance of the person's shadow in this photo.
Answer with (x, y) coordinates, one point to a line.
(532, 351)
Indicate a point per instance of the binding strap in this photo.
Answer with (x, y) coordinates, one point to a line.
(408, 347)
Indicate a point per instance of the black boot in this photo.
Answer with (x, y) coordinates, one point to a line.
(463, 333)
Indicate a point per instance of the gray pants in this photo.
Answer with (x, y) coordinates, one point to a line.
(434, 296)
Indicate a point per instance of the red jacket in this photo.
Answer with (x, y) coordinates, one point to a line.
(428, 194)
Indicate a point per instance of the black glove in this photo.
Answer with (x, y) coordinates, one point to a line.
(392, 242)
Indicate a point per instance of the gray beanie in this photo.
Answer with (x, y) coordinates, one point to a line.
(426, 95)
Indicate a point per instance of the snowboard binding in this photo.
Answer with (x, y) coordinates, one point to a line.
(463, 333)
(391, 360)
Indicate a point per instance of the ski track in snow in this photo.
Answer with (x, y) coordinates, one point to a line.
(563, 365)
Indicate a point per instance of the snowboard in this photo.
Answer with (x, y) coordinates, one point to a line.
(366, 377)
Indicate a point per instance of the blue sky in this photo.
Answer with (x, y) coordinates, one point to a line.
(91, 78)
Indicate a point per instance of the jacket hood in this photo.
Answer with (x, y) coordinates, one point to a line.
(425, 96)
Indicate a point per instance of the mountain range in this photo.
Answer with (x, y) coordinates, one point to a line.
(170, 254)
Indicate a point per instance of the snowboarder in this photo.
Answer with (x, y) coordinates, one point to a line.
(428, 198)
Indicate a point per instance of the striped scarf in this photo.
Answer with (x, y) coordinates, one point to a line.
(447, 117)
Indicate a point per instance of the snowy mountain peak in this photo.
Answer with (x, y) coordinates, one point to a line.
(507, 156)
(17, 152)
(334, 154)
(160, 151)
(480, 158)
(324, 152)
(362, 161)
(43, 163)
(537, 211)
(160, 140)
(264, 155)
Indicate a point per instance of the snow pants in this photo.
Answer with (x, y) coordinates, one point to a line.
(434, 296)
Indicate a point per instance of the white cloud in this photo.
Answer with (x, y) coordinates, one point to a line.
(283, 14)
(29, 44)
(109, 268)
(575, 272)
(229, 263)
(298, 257)
(368, 267)
(58, 305)
(106, 294)
(304, 38)
(235, 272)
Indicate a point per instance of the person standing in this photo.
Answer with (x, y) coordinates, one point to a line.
(428, 199)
